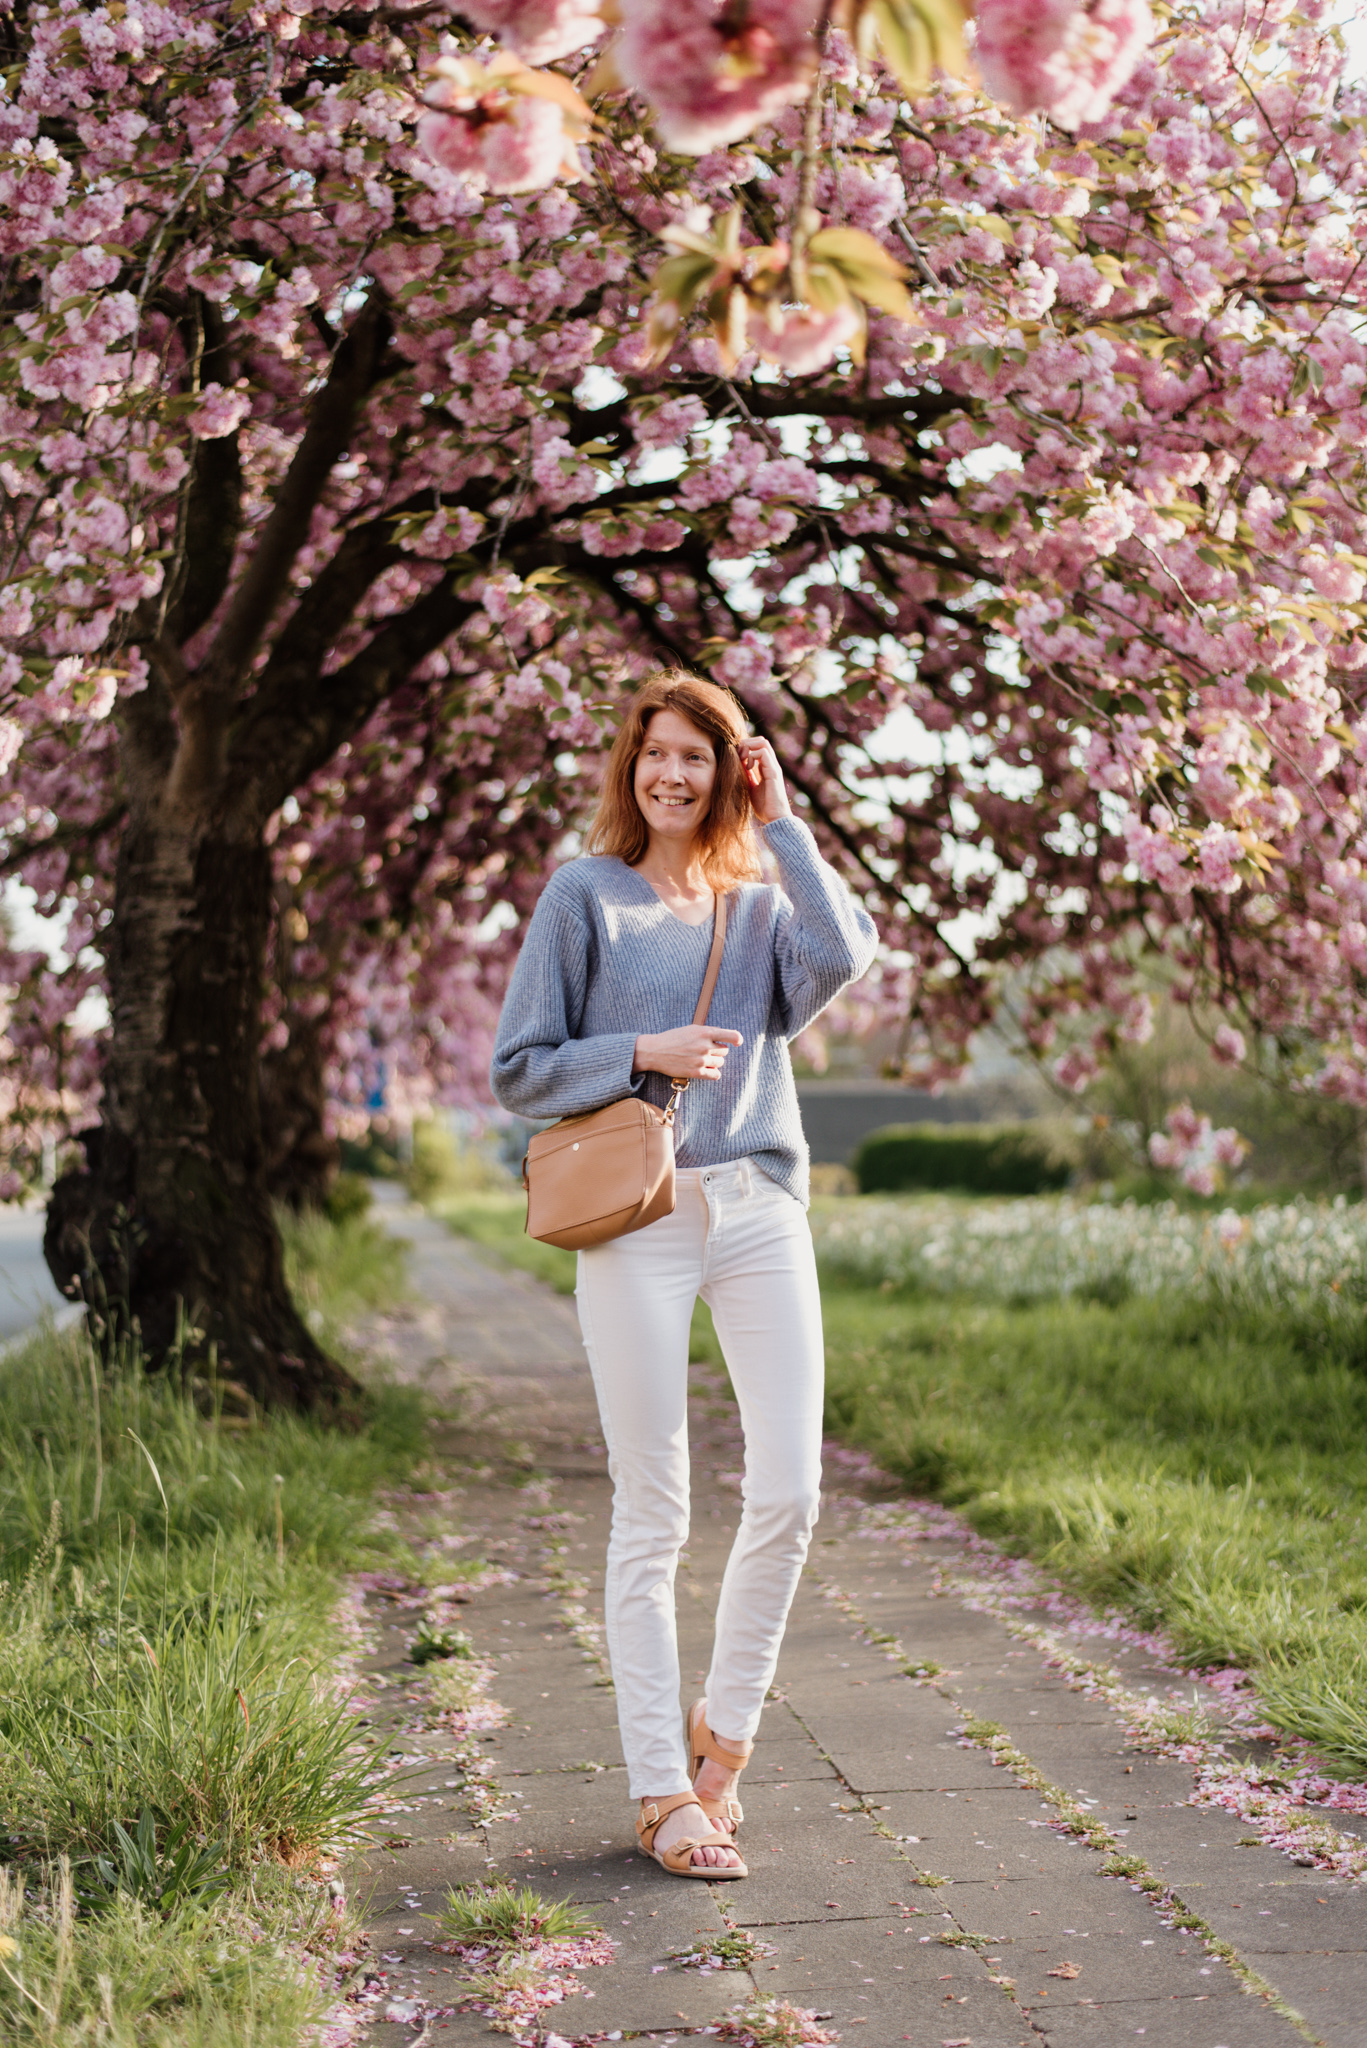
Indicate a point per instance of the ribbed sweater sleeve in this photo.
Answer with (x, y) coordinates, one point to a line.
(541, 1068)
(824, 939)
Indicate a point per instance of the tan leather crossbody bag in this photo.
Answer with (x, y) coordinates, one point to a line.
(602, 1175)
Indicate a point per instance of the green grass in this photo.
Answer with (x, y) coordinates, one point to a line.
(338, 1270)
(1200, 1467)
(130, 1978)
(173, 1755)
(495, 1916)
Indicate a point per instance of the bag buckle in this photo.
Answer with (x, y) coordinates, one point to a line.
(673, 1102)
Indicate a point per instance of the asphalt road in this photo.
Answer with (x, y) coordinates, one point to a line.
(26, 1287)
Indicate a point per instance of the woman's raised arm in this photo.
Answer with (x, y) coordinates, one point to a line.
(825, 938)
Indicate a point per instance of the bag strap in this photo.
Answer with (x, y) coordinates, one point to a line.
(709, 983)
(709, 980)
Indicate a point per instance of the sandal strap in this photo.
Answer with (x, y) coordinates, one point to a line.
(703, 1742)
(653, 1811)
(721, 1809)
(679, 1855)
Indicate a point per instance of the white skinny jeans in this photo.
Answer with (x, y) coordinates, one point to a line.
(738, 1240)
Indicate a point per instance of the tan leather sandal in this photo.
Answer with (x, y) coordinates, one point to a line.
(727, 1813)
(677, 1859)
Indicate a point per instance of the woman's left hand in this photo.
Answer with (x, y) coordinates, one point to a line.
(764, 780)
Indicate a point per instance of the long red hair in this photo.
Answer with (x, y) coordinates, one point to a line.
(726, 837)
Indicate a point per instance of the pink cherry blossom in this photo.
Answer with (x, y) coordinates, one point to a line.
(1187, 1126)
(1193, 1149)
(219, 412)
(517, 148)
(1068, 58)
(802, 341)
(1076, 1068)
(1229, 1046)
(1335, 577)
(539, 30)
(713, 71)
(1229, 1148)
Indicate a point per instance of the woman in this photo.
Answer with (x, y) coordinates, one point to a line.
(613, 963)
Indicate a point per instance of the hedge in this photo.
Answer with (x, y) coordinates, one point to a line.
(982, 1160)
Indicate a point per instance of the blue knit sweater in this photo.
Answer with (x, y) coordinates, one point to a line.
(604, 961)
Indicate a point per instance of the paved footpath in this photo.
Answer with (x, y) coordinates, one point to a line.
(909, 1885)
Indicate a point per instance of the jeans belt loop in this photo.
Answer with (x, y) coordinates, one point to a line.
(746, 1183)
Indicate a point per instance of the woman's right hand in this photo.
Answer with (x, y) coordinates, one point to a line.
(696, 1052)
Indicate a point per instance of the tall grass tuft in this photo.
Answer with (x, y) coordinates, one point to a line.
(497, 1916)
(174, 1752)
(131, 1978)
(214, 1714)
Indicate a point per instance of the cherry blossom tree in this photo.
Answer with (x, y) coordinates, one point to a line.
(385, 387)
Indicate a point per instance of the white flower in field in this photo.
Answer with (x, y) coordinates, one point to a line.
(1043, 1246)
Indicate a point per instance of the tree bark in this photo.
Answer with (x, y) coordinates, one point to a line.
(170, 1224)
(301, 1156)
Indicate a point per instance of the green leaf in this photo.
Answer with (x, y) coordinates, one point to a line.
(865, 267)
(683, 279)
(904, 43)
(919, 36)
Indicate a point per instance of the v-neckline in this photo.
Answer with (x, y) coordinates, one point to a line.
(702, 923)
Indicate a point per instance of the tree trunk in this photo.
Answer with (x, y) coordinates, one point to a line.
(170, 1224)
(301, 1156)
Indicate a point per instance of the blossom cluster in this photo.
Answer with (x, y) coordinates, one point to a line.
(1052, 607)
(1192, 1148)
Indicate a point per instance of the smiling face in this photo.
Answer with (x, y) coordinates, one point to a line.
(675, 772)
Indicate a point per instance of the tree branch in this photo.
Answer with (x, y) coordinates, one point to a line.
(288, 734)
(213, 503)
(357, 367)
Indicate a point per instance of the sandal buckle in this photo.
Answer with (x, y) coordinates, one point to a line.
(650, 1813)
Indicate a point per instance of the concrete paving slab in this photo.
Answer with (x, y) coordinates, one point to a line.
(1113, 1964)
(1293, 1917)
(812, 1863)
(874, 1948)
(1121, 1782)
(1196, 1847)
(899, 2003)
(999, 1833)
(1227, 2020)
(1329, 1991)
